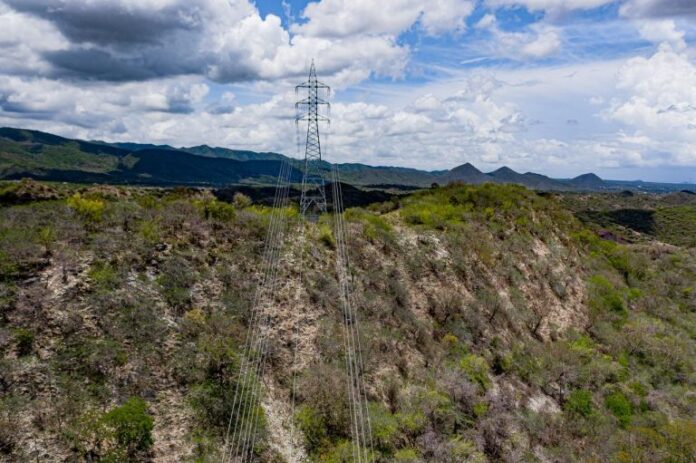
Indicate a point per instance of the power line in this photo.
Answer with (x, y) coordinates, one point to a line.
(242, 426)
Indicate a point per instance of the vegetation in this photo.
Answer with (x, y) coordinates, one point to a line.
(495, 327)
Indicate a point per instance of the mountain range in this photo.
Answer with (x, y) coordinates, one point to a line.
(39, 155)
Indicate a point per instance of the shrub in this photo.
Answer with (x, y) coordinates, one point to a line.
(104, 276)
(122, 434)
(620, 406)
(476, 369)
(214, 403)
(176, 280)
(47, 236)
(131, 425)
(579, 402)
(91, 210)
(463, 450)
(24, 340)
(605, 297)
(313, 428)
(241, 201)
(412, 422)
(150, 231)
(406, 456)
(375, 227)
(218, 210)
(326, 236)
(342, 452)
(385, 427)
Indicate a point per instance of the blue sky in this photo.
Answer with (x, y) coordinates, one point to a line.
(560, 87)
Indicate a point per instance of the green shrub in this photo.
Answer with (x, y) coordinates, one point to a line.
(131, 425)
(121, 434)
(47, 236)
(604, 297)
(412, 422)
(218, 210)
(104, 276)
(342, 452)
(385, 427)
(406, 456)
(326, 236)
(465, 451)
(313, 428)
(214, 403)
(620, 406)
(90, 358)
(150, 231)
(24, 339)
(476, 369)
(579, 402)
(91, 210)
(375, 227)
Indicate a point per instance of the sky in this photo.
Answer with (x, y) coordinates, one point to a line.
(559, 87)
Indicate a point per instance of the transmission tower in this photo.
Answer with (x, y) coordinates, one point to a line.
(313, 199)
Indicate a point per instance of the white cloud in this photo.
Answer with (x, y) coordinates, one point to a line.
(658, 101)
(663, 30)
(128, 40)
(544, 44)
(657, 8)
(344, 18)
(442, 16)
(538, 41)
(551, 6)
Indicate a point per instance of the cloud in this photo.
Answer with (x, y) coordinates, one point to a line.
(23, 40)
(186, 72)
(344, 18)
(538, 41)
(546, 42)
(129, 40)
(658, 8)
(442, 16)
(659, 102)
(551, 6)
(662, 30)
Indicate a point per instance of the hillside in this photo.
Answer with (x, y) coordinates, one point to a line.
(670, 218)
(496, 327)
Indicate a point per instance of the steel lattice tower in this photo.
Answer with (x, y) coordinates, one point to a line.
(313, 199)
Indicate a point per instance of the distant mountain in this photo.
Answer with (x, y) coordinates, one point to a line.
(26, 153)
(29, 153)
(238, 155)
(529, 179)
(137, 146)
(361, 174)
(506, 175)
(587, 181)
(466, 173)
